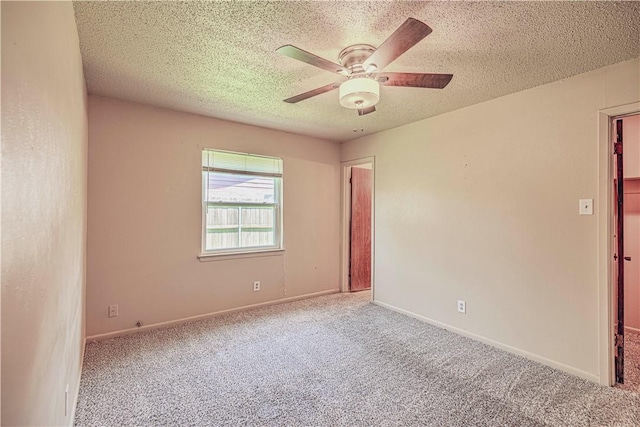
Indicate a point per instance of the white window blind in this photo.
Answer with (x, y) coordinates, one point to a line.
(248, 164)
(241, 202)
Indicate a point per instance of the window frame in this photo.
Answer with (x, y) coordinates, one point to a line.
(277, 205)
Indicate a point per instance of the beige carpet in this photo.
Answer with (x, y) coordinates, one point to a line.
(631, 362)
(330, 361)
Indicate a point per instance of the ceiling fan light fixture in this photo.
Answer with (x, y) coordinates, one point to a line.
(361, 92)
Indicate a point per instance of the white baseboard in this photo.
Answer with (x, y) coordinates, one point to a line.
(75, 401)
(630, 329)
(531, 356)
(176, 322)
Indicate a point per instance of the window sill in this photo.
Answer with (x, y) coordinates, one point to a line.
(237, 255)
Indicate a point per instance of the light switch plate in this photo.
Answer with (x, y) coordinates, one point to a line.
(586, 207)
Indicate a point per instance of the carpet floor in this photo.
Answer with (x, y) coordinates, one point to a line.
(631, 362)
(336, 360)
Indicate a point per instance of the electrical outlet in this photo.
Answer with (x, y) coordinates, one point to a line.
(256, 286)
(462, 307)
(113, 310)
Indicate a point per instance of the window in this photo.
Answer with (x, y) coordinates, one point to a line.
(241, 203)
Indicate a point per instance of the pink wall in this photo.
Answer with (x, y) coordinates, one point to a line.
(44, 159)
(632, 249)
(145, 217)
(631, 133)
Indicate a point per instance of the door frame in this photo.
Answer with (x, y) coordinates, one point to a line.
(346, 218)
(606, 224)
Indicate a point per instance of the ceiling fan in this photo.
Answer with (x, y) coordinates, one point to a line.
(362, 64)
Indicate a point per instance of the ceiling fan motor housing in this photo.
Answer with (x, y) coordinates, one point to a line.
(352, 57)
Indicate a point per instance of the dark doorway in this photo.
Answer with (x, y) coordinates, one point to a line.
(626, 253)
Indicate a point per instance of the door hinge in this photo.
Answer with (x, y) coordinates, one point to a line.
(619, 340)
(617, 148)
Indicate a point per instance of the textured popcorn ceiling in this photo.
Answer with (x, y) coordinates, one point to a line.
(218, 58)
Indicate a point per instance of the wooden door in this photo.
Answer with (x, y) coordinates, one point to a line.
(360, 259)
(619, 254)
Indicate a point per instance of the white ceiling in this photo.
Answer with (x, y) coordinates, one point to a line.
(218, 59)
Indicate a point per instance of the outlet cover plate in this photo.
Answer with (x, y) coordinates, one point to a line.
(113, 310)
(462, 307)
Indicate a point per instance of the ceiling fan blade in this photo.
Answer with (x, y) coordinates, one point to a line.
(405, 37)
(313, 92)
(426, 80)
(363, 111)
(310, 58)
